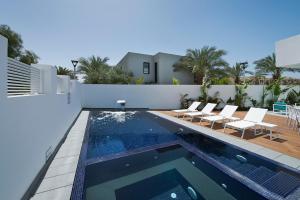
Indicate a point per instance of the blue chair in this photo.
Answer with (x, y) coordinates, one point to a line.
(280, 107)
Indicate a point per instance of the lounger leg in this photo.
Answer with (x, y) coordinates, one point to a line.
(243, 133)
(212, 124)
(224, 128)
(200, 121)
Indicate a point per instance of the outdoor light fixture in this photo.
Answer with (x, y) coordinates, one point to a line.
(74, 62)
(244, 66)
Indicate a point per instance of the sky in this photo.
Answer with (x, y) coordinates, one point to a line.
(61, 30)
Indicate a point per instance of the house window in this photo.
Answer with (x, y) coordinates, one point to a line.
(146, 68)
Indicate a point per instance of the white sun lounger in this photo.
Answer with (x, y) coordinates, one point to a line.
(205, 111)
(224, 115)
(253, 118)
(193, 108)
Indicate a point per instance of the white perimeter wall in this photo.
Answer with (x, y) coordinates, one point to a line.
(155, 96)
(29, 125)
(137, 96)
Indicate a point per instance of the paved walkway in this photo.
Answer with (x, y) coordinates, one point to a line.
(58, 181)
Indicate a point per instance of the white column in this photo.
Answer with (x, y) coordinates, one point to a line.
(3, 68)
(48, 79)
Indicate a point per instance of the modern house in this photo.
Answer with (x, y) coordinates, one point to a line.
(156, 69)
(288, 52)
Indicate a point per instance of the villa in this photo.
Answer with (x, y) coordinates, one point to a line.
(61, 139)
(155, 69)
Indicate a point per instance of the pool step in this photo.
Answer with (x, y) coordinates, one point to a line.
(279, 183)
(282, 184)
(260, 175)
(245, 168)
(228, 162)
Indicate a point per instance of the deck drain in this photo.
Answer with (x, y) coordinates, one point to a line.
(155, 157)
(173, 195)
(192, 192)
(127, 165)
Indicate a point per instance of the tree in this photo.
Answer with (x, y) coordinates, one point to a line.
(203, 63)
(15, 46)
(267, 66)
(29, 57)
(119, 76)
(15, 42)
(95, 69)
(237, 71)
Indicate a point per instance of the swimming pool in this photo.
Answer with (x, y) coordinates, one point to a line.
(126, 152)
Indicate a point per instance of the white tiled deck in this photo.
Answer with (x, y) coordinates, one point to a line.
(58, 181)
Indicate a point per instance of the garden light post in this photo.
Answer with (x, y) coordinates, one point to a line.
(74, 62)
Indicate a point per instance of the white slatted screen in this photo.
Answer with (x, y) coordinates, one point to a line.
(22, 79)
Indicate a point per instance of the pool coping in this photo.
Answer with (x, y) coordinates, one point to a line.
(59, 178)
(275, 156)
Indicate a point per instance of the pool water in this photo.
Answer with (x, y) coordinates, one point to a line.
(166, 173)
(127, 152)
(116, 132)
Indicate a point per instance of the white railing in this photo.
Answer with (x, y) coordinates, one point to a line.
(35, 80)
(22, 79)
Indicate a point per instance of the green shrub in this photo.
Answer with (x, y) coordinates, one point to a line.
(175, 81)
(139, 81)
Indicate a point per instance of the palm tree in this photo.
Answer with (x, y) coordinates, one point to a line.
(63, 71)
(267, 65)
(237, 71)
(95, 69)
(203, 63)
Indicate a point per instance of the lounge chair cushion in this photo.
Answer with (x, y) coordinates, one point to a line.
(255, 115)
(181, 111)
(214, 118)
(241, 124)
(193, 107)
(218, 118)
(193, 114)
